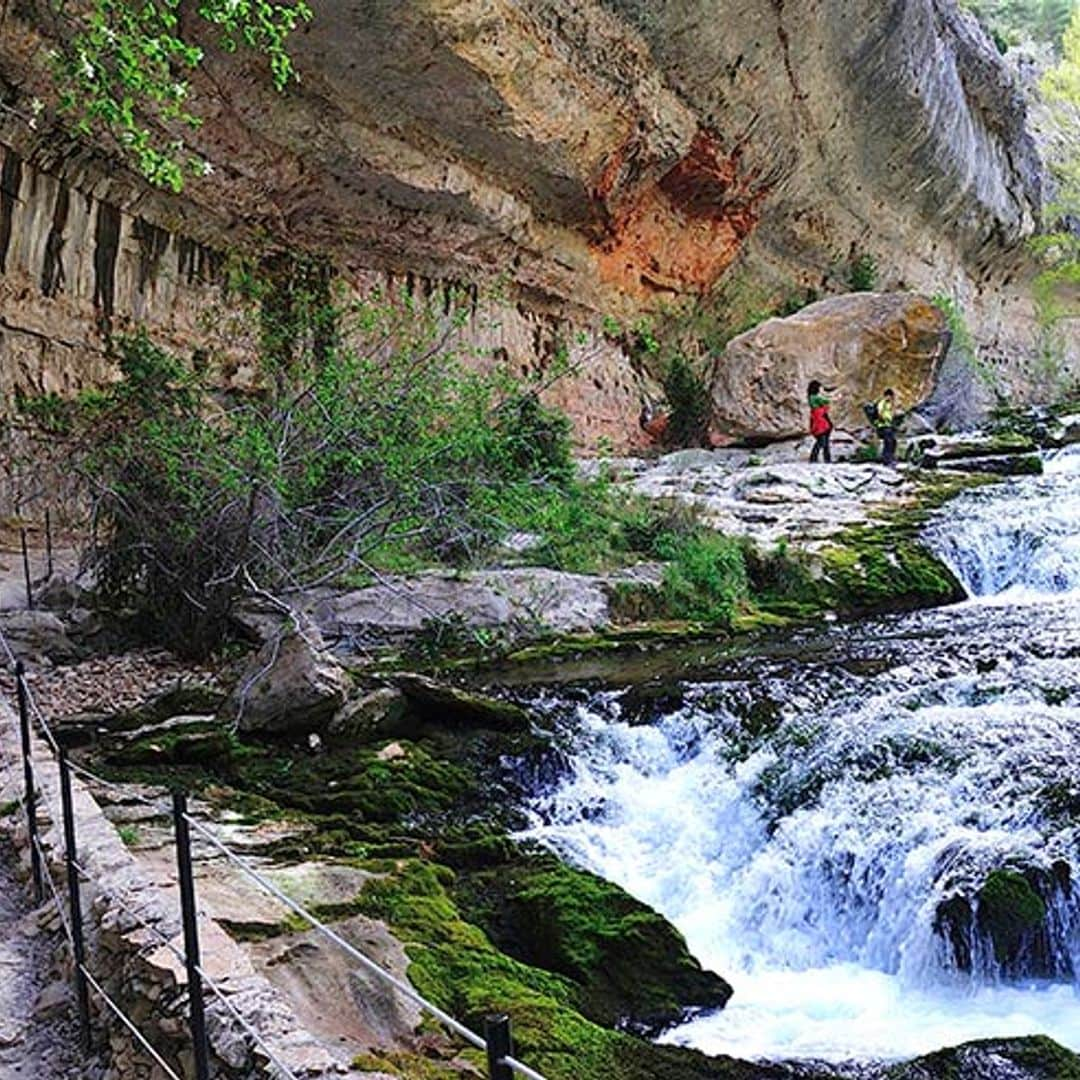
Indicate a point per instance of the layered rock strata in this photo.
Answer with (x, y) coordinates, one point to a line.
(590, 156)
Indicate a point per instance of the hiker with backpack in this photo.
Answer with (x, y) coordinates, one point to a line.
(820, 422)
(884, 421)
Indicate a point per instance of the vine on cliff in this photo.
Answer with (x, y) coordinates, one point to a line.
(122, 60)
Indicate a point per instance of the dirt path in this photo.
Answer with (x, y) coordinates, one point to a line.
(38, 1034)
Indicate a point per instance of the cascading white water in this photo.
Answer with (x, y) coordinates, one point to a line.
(1020, 544)
(838, 866)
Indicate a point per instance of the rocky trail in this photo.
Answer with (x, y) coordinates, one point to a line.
(38, 1032)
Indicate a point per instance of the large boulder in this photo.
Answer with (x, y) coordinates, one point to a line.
(860, 343)
(292, 685)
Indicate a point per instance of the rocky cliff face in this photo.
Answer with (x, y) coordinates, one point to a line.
(590, 156)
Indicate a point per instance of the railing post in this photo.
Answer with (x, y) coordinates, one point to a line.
(78, 944)
(26, 571)
(499, 1046)
(28, 782)
(48, 543)
(191, 936)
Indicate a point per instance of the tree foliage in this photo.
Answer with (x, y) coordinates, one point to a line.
(1014, 22)
(385, 451)
(1058, 286)
(125, 65)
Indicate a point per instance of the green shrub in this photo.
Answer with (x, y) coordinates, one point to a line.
(705, 579)
(689, 403)
(863, 273)
(391, 450)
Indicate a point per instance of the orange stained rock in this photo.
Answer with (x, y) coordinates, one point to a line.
(682, 232)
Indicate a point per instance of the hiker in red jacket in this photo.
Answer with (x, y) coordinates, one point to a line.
(820, 423)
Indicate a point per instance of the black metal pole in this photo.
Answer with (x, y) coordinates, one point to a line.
(499, 1046)
(48, 542)
(28, 781)
(191, 936)
(26, 571)
(82, 994)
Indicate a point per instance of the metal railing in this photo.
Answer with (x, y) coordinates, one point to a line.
(496, 1041)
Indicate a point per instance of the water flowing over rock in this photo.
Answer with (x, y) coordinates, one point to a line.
(862, 344)
(871, 831)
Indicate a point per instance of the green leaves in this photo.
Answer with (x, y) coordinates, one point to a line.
(1057, 288)
(126, 69)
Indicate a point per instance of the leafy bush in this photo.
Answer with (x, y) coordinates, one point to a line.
(863, 273)
(705, 579)
(390, 450)
(689, 403)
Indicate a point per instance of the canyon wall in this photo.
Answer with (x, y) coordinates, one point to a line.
(565, 159)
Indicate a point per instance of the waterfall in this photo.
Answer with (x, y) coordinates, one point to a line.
(1018, 545)
(881, 857)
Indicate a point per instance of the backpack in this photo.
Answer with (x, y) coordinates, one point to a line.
(870, 408)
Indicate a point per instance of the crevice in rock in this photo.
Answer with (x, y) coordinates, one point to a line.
(10, 181)
(52, 270)
(106, 249)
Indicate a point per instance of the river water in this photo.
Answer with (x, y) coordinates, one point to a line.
(827, 820)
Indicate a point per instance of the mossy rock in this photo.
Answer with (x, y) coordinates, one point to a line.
(870, 570)
(195, 745)
(1010, 911)
(632, 965)
(450, 707)
(363, 784)
(1032, 1058)
(455, 965)
(184, 699)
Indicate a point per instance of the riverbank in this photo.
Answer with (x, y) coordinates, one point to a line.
(402, 806)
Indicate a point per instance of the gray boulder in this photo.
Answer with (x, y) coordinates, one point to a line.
(292, 685)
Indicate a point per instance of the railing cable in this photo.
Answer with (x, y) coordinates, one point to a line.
(445, 1018)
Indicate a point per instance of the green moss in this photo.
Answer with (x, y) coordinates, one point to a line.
(191, 744)
(422, 1066)
(869, 569)
(1046, 1056)
(455, 965)
(1009, 909)
(357, 783)
(1040, 1058)
(629, 962)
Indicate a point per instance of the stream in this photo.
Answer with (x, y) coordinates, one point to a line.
(871, 829)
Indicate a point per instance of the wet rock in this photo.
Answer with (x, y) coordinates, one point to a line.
(632, 965)
(371, 716)
(861, 343)
(180, 740)
(1001, 927)
(998, 465)
(448, 706)
(1033, 1058)
(931, 450)
(291, 685)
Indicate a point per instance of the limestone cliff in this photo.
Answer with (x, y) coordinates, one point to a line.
(590, 156)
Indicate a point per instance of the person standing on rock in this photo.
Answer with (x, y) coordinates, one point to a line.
(820, 422)
(886, 427)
